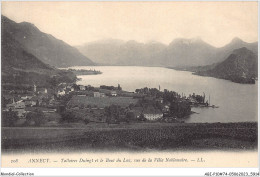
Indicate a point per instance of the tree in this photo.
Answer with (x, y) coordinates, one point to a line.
(159, 105)
(137, 90)
(141, 117)
(76, 87)
(69, 116)
(65, 99)
(119, 87)
(86, 121)
(54, 82)
(199, 98)
(82, 106)
(9, 118)
(180, 109)
(131, 106)
(36, 117)
(4, 102)
(154, 91)
(113, 113)
(146, 90)
(130, 116)
(37, 103)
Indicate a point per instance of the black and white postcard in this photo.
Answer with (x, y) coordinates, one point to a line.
(129, 84)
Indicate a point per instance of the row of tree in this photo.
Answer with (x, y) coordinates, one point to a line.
(34, 118)
(111, 87)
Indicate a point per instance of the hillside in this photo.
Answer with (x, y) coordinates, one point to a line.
(240, 66)
(236, 43)
(22, 69)
(179, 53)
(44, 46)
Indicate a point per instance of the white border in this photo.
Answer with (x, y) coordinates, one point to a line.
(128, 171)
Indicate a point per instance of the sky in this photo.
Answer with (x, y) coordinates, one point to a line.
(78, 23)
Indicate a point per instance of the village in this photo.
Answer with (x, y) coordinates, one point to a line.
(72, 103)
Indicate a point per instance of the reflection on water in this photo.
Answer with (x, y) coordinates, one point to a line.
(237, 102)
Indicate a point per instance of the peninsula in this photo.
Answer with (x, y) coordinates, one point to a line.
(78, 72)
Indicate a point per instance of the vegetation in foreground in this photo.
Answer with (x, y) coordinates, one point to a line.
(147, 136)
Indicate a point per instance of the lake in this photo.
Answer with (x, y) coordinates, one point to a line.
(237, 102)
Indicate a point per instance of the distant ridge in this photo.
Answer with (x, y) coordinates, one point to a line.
(180, 52)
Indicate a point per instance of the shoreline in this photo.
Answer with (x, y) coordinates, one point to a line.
(197, 72)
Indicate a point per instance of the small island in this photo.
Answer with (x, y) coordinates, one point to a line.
(85, 72)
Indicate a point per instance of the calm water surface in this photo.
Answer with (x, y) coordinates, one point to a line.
(237, 102)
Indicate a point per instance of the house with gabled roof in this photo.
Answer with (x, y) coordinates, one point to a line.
(152, 114)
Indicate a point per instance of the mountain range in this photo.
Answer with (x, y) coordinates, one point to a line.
(44, 46)
(30, 56)
(179, 53)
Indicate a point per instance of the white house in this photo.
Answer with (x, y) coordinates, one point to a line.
(40, 90)
(160, 100)
(82, 87)
(97, 94)
(61, 92)
(30, 102)
(26, 97)
(152, 114)
(113, 93)
(20, 112)
(166, 108)
(34, 88)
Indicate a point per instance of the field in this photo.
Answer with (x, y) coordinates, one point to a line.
(101, 102)
(132, 137)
